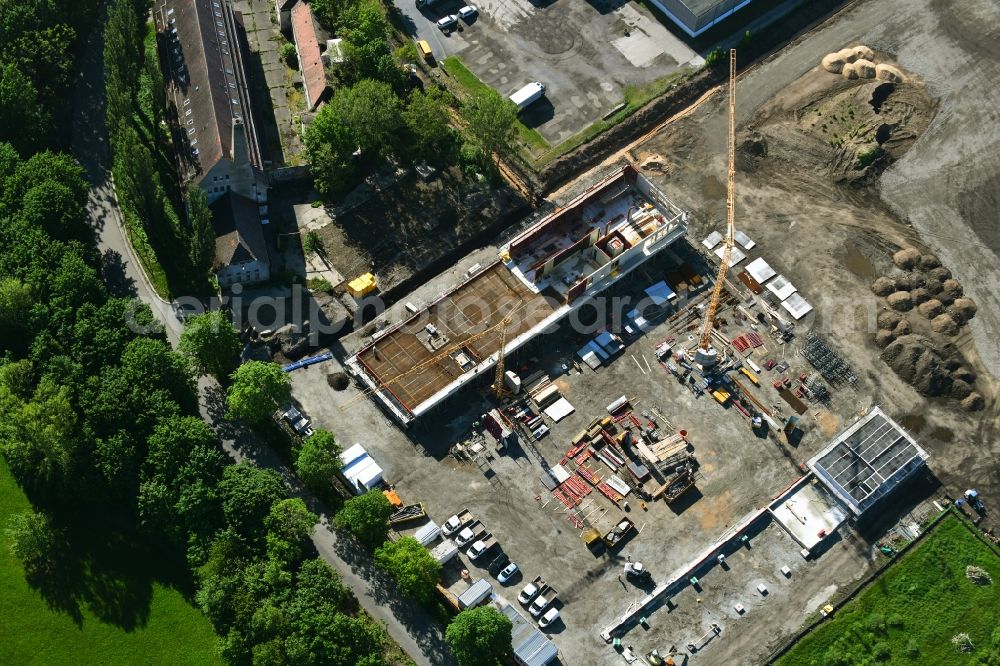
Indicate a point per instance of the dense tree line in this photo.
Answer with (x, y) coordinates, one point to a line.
(377, 114)
(172, 234)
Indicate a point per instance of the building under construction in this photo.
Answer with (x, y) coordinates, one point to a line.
(541, 276)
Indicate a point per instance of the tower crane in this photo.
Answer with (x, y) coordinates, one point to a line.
(499, 390)
(707, 356)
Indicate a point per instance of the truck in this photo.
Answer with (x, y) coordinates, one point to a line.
(544, 599)
(469, 534)
(457, 522)
(527, 95)
(622, 529)
(423, 4)
(482, 546)
(531, 590)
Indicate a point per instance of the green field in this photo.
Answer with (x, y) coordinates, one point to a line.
(111, 615)
(910, 614)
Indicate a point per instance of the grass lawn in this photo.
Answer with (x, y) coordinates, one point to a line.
(115, 621)
(909, 615)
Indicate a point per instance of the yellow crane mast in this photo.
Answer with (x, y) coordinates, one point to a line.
(706, 355)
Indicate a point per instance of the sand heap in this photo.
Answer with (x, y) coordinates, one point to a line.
(858, 62)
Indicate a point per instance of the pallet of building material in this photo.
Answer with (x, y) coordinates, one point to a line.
(609, 492)
(577, 523)
(574, 450)
(562, 497)
(407, 513)
(583, 457)
(591, 476)
(604, 459)
(617, 457)
(754, 339)
(577, 487)
(740, 344)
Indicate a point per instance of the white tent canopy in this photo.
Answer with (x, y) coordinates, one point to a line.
(760, 270)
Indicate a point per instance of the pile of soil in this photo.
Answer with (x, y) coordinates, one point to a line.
(933, 371)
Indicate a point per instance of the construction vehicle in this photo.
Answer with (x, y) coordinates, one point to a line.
(407, 513)
(636, 570)
(473, 532)
(706, 356)
(457, 522)
(678, 483)
(751, 376)
(617, 534)
(721, 396)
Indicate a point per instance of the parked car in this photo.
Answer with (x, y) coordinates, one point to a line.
(498, 564)
(507, 573)
(481, 546)
(467, 12)
(448, 22)
(550, 616)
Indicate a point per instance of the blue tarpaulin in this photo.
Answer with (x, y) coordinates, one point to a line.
(660, 292)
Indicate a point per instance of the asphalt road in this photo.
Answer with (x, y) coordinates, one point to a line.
(412, 628)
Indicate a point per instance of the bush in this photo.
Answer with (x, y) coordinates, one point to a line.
(319, 284)
(881, 651)
(289, 56)
(912, 648)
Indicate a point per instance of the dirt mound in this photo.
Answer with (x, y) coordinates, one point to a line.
(950, 291)
(934, 286)
(959, 389)
(919, 295)
(900, 301)
(884, 337)
(751, 151)
(865, 68)
(973, 402)
(850, 72)
(884, 286)
(963, 309)
(931, 308)
(885, 72)
(944, 324)
(902, 328)
(929, 262)
(940, 274)
(863, 52)
(964, 374)
(906, 258)
(917, 362)
(833, 63)
(910, 281)
(888, 319)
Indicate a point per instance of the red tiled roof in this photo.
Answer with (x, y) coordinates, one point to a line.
(310, 61)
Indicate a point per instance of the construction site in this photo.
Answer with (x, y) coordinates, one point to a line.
(690, 395)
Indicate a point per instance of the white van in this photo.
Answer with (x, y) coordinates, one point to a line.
(528, 94)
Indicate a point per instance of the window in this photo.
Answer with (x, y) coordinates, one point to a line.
(219, 14)
(232, 85)
(190, 131)
(188, 112)
(226, 51)
(194, 152)
(214, 178)
(236, 101)
(187, 102)
(194, 141)
(227, 188)
(227, 176)
(191, 122)
(218, 23)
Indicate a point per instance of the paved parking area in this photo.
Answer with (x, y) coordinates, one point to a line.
(585, 53)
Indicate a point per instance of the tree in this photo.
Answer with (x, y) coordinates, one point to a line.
(38, 436)
(428, 123)
(318, 461)
(289, 525)
(211, 343)
(491, 119)
(24, 122)
(201, 247)
(15, 301)
(55, 208)
(247, 495)
(35, 541)
(480, 637)
(413, 567)
(366, 517)
(257, 390)
(363, 119)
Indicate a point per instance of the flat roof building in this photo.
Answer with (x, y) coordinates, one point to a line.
(541, 276)
(867, 461)
(696, 16)
(531, 647)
